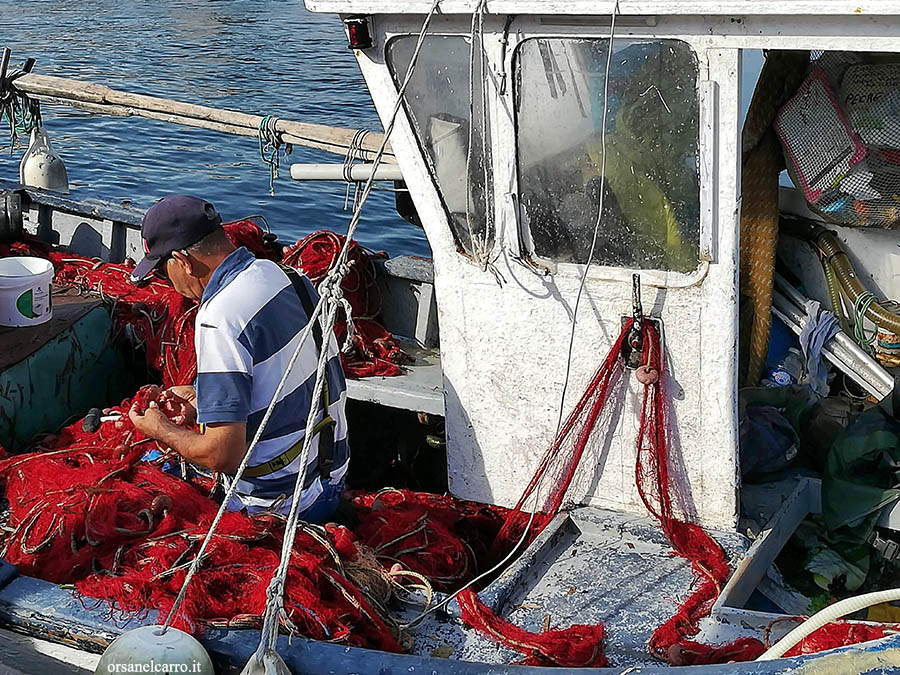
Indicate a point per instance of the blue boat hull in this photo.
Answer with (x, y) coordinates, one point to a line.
(48, 611)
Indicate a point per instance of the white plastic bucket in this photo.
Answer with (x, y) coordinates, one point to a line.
(25, 291)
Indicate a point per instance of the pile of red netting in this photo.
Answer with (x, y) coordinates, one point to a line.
(158, 318)
(85, 509)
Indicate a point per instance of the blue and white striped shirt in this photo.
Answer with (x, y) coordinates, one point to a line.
(247, 327)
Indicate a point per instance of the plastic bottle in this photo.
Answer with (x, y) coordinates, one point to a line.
(790, 370)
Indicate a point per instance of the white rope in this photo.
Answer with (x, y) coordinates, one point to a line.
(336, 273)
(275, 591)
(232, 488)
(329, 293)
(537, 491)
(587, 264)
(476, 35)
(356, 151)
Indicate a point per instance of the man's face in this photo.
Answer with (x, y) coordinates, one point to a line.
(180, 269)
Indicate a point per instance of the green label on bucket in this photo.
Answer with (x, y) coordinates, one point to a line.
(25, 304)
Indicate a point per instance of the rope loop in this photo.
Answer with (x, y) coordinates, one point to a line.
(270, 143)
(22, 113)
(860, 308)
(355, 151)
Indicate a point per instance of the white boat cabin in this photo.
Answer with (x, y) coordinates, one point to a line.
(505, 176)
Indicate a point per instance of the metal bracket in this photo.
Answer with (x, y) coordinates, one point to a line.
(634, 341)
(11, 219)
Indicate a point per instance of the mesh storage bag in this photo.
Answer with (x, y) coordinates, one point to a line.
(840, 133)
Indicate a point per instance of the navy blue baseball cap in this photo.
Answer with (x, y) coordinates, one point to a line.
(171, 224)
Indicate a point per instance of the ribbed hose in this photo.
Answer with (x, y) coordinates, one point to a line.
(834, 292)
(827, 615)
(837, 259)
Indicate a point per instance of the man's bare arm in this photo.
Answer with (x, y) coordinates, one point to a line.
(220, 447)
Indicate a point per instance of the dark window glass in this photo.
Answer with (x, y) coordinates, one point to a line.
(440, 104)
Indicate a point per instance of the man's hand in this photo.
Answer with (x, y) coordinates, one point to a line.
(183, 401)
(152, 422)
(183, 391)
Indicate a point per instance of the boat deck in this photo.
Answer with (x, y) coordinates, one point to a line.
(590, 566)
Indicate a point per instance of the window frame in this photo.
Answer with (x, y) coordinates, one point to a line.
(491, 190)
(522, 247)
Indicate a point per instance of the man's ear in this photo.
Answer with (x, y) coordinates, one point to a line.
(185, 261)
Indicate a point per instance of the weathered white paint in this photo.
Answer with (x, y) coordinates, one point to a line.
(626, 7)
(503, 348)
(772, 30)
(23, 654)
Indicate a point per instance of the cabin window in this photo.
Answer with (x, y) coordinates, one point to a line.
(651, 204)
(441, 109)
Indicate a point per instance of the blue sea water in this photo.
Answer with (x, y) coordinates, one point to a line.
(256, 56)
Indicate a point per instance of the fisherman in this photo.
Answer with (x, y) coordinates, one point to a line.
(248, 324)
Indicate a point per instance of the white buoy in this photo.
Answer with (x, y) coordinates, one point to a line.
(150, 650)
(41, 167)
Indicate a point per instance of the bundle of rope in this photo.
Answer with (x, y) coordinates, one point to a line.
(444, 539)
(762, 161)
(368, 348)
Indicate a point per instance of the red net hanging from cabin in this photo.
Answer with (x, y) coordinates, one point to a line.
(583, 645)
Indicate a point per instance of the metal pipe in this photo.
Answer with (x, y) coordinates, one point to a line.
(837, 259)
(788, 305)
(357, 172)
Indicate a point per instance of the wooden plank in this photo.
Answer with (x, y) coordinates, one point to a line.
(420, 389)
(99, 98)
(767, 546)
(17, 344)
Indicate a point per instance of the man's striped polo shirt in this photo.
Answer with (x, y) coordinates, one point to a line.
(247, 327)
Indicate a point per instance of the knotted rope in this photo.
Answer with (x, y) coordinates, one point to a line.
(269, 145)
(23, 114)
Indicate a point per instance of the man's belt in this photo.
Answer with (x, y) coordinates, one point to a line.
(325, 431)
(325, 428)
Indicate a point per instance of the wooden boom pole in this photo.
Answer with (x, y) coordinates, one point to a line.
(98, 98)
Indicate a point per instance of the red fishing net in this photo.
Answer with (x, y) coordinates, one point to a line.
(85, 509)
(839, 634)
(670, 642)
(156, 317)
(577, 646)
(373, 350)
(445, 539)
